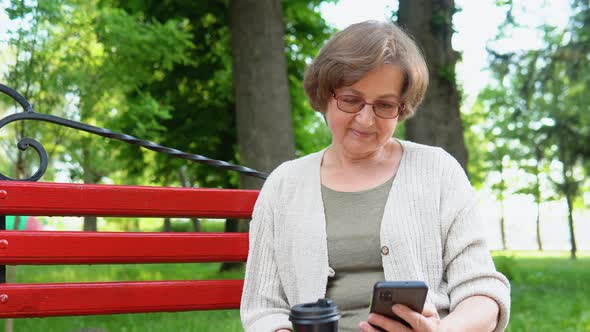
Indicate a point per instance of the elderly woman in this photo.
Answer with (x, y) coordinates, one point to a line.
(370, 207)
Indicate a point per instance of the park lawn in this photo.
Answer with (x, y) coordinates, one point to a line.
(207, 321)
(549, 293)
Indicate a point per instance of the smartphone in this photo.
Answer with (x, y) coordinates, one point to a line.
(387, 293)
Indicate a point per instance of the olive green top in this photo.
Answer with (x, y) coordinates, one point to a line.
(353, 226)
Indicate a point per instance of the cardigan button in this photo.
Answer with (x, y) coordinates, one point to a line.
(385, 250)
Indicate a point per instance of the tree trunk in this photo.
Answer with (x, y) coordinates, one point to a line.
(90, 176)
(261, 91)
(196, 224)
(503, 225)
(538, 156)
(167, 225)
(438, 120)
(90, 224)
(502, 188)
(261, 86)
(539, 239)
(185, 182)
(538, 203)
(570, 219)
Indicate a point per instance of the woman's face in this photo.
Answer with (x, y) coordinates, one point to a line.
(363, 133)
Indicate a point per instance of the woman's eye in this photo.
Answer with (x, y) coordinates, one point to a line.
(385, 105)
(352, 100)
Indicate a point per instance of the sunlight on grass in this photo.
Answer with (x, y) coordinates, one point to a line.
(549, 290)
(539, 254)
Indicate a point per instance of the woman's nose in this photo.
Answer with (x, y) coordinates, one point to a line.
(366, 116)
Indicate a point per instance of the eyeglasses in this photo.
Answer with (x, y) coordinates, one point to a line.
(382, 108)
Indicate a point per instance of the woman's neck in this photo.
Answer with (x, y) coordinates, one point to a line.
(340, 172)
(337, 157)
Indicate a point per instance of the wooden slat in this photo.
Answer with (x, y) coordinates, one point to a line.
(45, 247)
(66, 199)
(72, 299)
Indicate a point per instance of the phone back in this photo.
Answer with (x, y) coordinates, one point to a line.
(387, 293)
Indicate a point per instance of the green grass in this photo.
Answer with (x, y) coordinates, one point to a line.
(207, 321)
(550, 292)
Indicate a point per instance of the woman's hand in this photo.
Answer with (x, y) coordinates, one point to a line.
(428, 321)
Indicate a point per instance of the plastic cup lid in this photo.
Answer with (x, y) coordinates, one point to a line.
(320, 310)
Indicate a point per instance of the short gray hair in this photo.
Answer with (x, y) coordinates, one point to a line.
(351, 53)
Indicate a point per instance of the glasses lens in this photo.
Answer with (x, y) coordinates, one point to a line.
(382, 108)
(350, 103)
(386, 109)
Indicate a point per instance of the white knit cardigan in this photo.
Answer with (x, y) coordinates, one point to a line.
(430, 225)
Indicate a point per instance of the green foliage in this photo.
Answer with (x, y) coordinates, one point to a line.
(81, 60)
(475, 144)
(506, 265)
(537, 116)
(305, 33)
(32, 73)
(156, 70)
(201, 93)
(448, 73)
(442, 18)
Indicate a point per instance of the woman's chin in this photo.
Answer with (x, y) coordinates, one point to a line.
(354, 148)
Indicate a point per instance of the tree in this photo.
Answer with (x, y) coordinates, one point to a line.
(549, 115)
(118, 53)
(527, 142)
(33, 74)
(203, 109)
(93, 57)
(496, 155)
(261, 87)
(203, 118)
(438, 122)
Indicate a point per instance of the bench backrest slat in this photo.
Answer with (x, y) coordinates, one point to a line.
(67, 199)
(48, 247)
(70, 299)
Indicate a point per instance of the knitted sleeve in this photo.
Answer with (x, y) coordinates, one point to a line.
(468, 266)
(264, 307)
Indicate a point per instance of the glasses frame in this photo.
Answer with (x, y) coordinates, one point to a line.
(400, 109)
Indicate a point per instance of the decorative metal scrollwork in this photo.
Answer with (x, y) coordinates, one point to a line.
(29, 114)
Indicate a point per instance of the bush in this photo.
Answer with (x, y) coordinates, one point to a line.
(506, 265)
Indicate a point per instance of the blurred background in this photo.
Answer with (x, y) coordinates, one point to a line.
(508, 98)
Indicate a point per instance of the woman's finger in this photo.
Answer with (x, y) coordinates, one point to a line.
(416, 320)
(366, 327)
(429, 310)
(387, 324)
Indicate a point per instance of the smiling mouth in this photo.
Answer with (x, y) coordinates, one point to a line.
(360, 133)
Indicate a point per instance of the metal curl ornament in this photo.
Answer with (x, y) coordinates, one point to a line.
(26, 142)
(29, 114)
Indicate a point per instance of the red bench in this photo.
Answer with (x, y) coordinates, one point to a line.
(92, 298)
